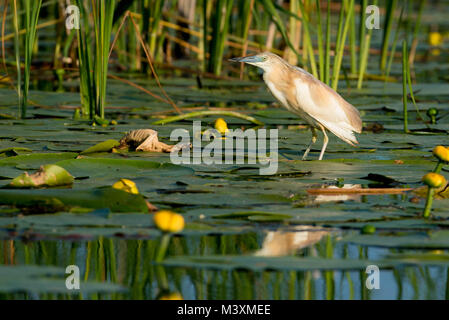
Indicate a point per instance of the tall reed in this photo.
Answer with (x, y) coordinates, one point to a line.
(308, 39)
(405, 71)
(220, 20)
(365, 44)
(394, 45)
(391, 7)
(103, 12)
(32, 10)
(94, 59)
(341, 39)
(414, 40)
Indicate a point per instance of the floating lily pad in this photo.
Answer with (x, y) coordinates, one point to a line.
(256, 263)
(46, 279)
(104, 146)
(49, 175)
(114, 199)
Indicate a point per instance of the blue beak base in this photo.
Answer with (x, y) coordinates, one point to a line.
(249, 59)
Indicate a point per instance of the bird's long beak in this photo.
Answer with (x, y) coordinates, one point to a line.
(249, 59)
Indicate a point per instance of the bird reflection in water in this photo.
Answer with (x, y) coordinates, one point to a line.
(282, 243)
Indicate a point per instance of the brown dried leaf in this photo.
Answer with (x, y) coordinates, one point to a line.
(144, 140)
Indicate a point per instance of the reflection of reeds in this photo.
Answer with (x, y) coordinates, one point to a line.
(130, 263)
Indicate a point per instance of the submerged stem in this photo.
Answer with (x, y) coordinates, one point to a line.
(162, 249)
(429, 201)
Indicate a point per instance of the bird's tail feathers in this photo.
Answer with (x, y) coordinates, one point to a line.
(343, 131)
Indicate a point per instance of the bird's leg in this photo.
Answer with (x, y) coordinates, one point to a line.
(314, 136)
(326, 140)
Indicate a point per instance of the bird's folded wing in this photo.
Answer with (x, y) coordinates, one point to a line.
(325, 105)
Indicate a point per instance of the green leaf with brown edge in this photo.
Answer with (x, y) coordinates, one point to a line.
(48, 175)
(106, 197)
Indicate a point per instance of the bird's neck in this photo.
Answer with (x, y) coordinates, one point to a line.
(277, 74)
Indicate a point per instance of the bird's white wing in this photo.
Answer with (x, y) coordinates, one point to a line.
(327, 107)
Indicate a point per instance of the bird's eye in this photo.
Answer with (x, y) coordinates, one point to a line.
(264, 58)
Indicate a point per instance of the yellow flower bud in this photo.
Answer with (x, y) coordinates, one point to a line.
(435, 38)
(442, 153)
(221, 126)
(434, 180)
(126, 185)
(168, 221)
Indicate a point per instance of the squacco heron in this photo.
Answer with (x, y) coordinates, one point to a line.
(312, 100)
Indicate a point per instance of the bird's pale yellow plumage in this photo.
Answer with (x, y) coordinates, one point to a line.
(311, 99)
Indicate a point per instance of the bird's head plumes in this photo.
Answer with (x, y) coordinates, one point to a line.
(262, 60)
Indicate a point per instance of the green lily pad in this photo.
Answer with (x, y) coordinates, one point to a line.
(45, 279)
(48, 175)
(256, 263)
(107, 197)
(104, 146)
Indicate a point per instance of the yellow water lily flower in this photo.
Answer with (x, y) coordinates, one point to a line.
(434, 180)
(171, 296)
(168, 221)
(126, 185)
(221, 126)
(442, 153)
(435, 38)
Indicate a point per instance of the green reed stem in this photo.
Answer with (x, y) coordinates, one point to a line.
(439, 166)
(156, 14)
(308, 42)
(220, 26)
(320, 41)
(340, 46)
(93, 86)
(32, 10)
(208, 113)
(394, 45)
(163, 246)
(365, 44)
(404, 83)
(17, 53)
(391, 6)
(327, 61)
(352, 43)
(415, 31)
(412, 96)
(362, 27)
(429, 201)
(87, 83)
(273, 14)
